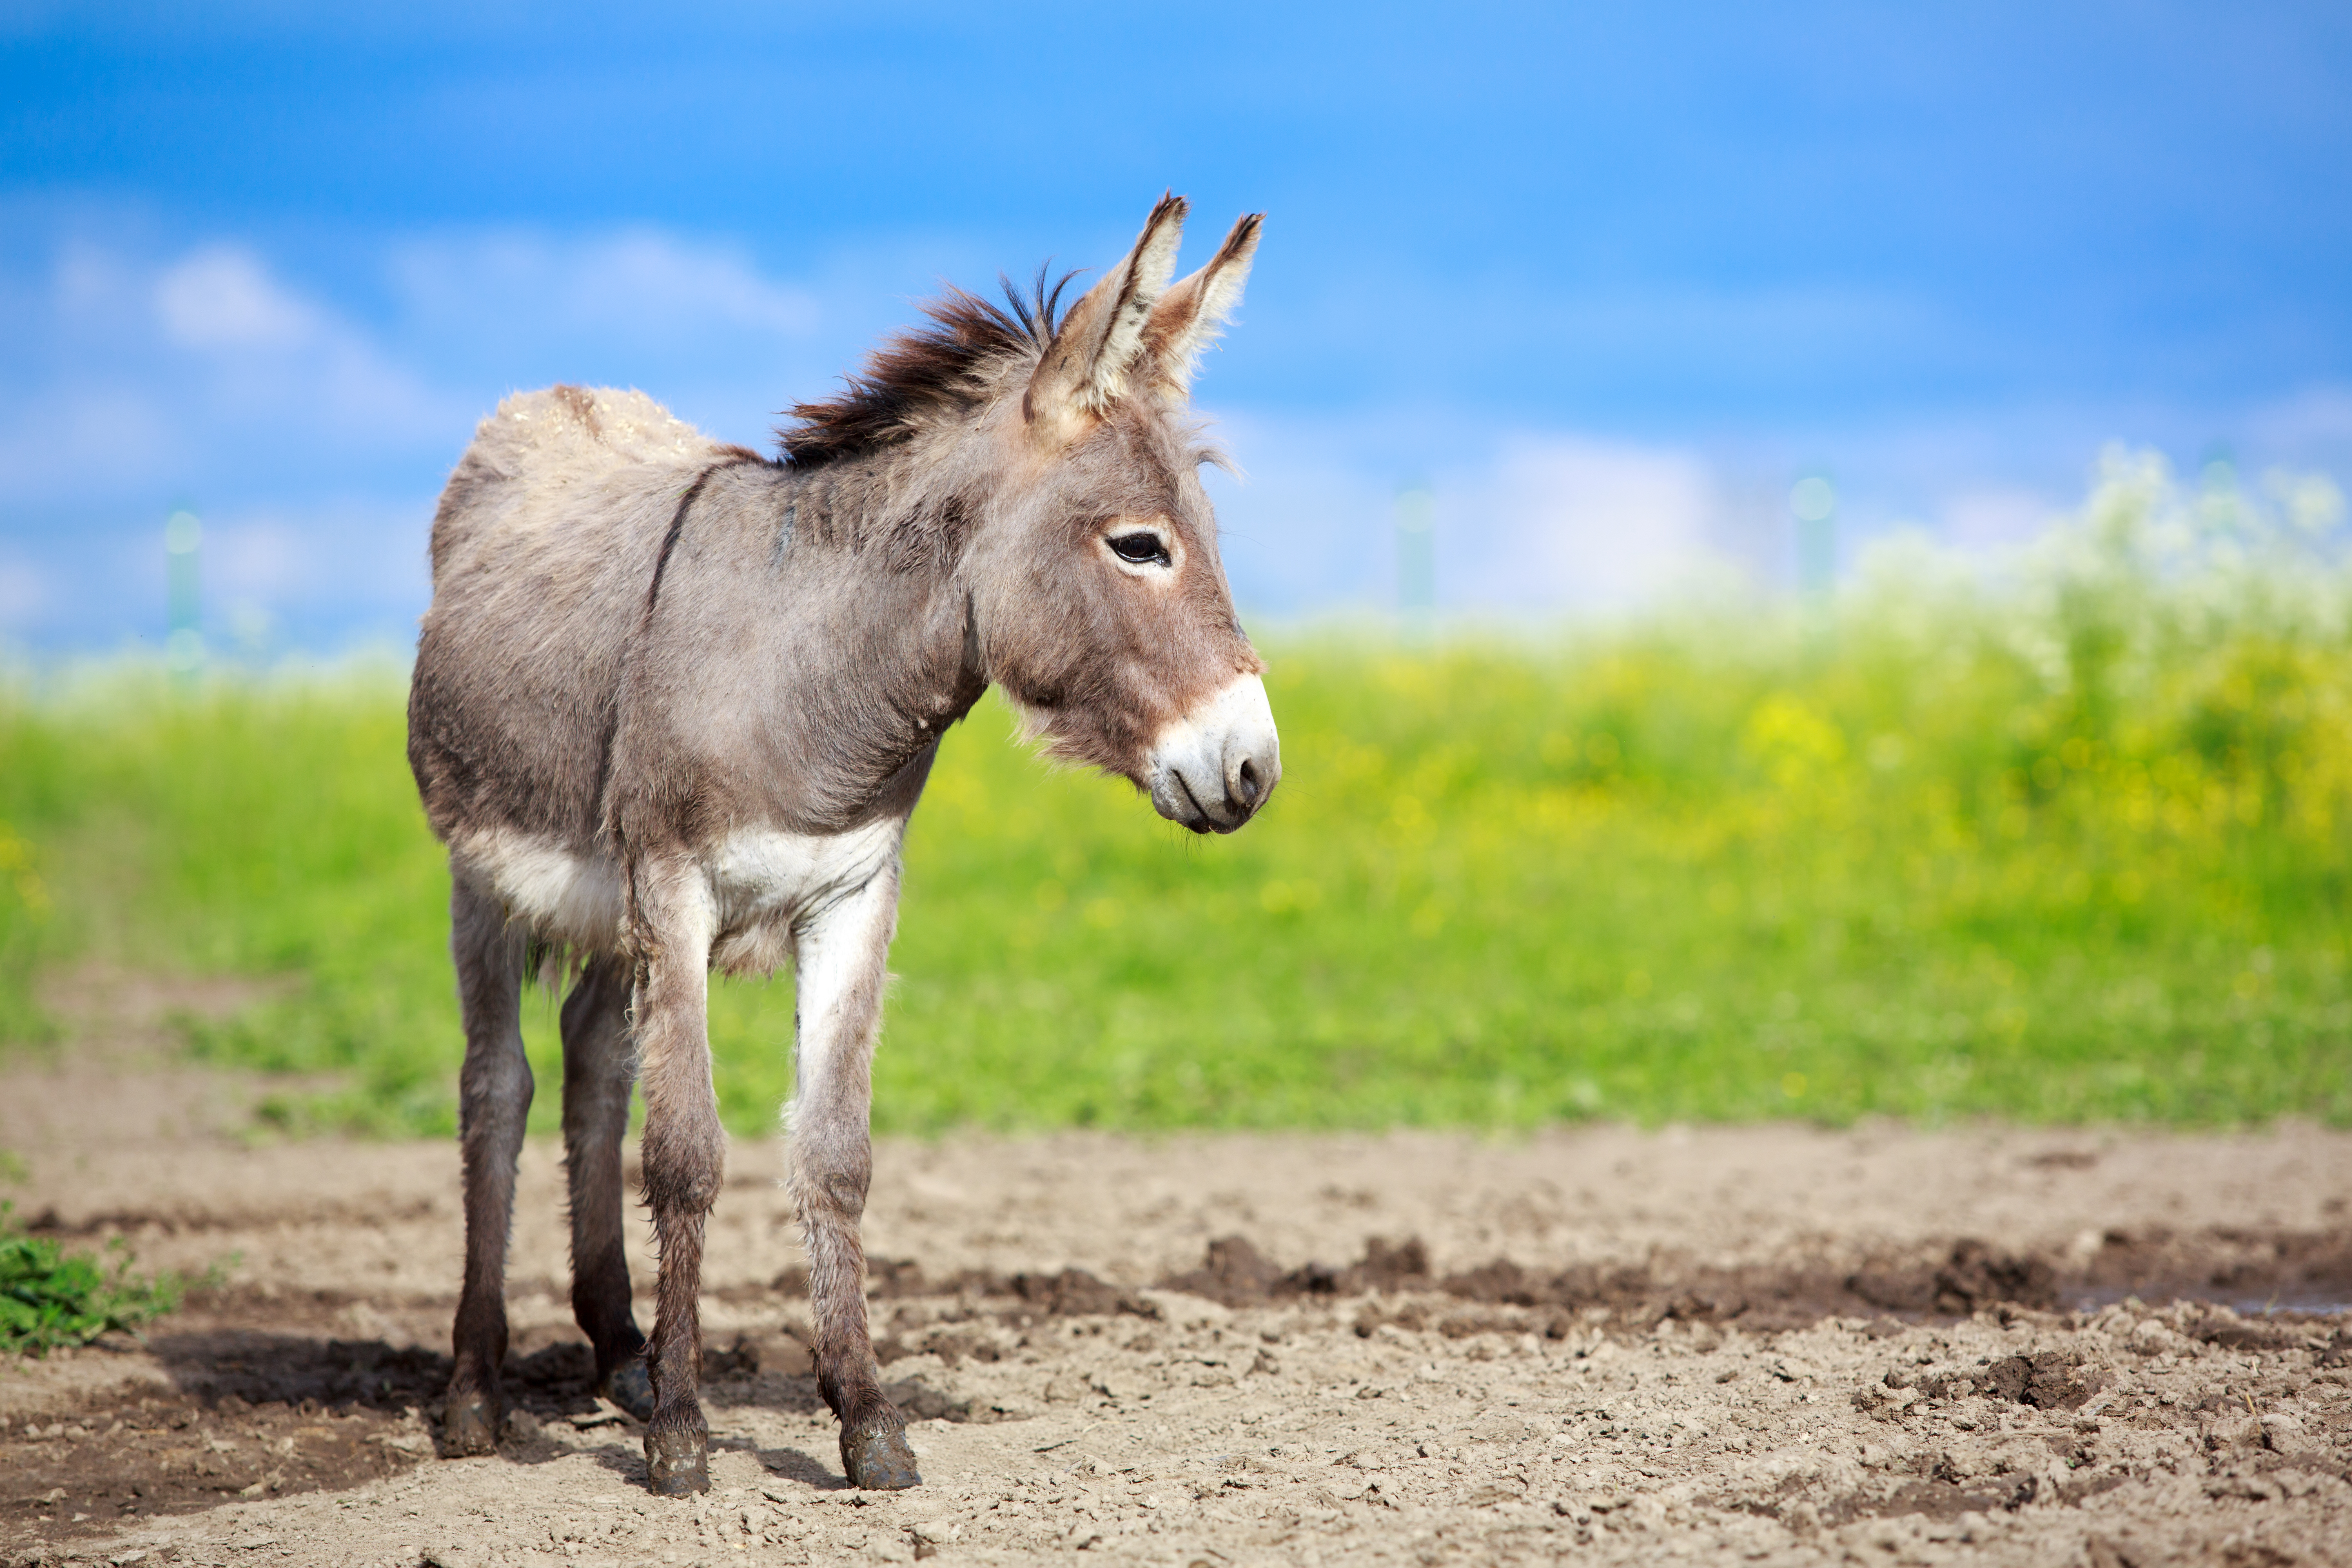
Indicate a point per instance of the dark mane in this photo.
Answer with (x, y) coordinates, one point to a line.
(923, 371)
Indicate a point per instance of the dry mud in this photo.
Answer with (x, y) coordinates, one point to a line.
(1766, 1344)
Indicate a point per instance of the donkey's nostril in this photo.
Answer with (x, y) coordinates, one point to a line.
(1214, 767)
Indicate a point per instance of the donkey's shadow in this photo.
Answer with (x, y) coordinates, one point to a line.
(260, 1367)
(627, 1461)
(554, 1383)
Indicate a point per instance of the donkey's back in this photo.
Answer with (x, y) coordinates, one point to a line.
(547, 536)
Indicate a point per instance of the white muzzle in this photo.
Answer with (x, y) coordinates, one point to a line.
(1215, 766)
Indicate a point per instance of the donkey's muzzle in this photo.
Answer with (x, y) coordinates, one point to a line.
(1214, 767)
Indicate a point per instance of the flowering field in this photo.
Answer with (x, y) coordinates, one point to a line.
(2063, 840)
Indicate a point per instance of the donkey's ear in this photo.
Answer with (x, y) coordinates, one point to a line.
(1084, 369)
(1189, 316)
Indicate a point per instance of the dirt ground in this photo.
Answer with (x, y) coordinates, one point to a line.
(1771, 1344)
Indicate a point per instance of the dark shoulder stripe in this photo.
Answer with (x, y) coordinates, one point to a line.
(678, 526)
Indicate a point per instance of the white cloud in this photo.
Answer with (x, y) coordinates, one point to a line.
(73, 442)
(323, 574)
(267, 560)
(2314, 425)
(222, 297)
(1567, 522)
(367, 554)
(25, 590)
(1304, 525)
(633, 289)
(1537, 523)
(310, 428)
(1995, 518)
(200, 376)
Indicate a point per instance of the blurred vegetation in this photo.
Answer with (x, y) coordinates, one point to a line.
(2062, 840)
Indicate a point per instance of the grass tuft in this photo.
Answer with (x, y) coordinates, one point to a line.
(51, 1298)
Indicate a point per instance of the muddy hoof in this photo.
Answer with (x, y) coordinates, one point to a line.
(469, 1424)
(630, 1387)
(879, 1461)
(677, 1464)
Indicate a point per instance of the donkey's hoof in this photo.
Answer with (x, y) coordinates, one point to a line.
(677, 1464)
(879, 1461)
(469, 1425)
(629, 1386)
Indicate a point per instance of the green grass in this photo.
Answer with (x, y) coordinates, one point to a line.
(2071, 846)
(51, 1298)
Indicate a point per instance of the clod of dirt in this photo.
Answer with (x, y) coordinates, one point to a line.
(1236, 1273)
(1969, 1278)
(1973, 1276)
(2306, 1268)
(1941, 1498)
(2047, 1381)
(1072, 1293)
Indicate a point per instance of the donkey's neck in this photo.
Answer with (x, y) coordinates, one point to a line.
(899, 509)
(867, 633)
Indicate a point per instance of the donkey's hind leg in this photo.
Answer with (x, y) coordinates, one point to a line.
(843, 955)
(494, 1099)
(598, 1066)
(672, 921)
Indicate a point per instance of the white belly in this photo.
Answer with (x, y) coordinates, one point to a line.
(763, 884)
(560, 895)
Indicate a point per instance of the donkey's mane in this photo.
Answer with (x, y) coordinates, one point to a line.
(916, 377)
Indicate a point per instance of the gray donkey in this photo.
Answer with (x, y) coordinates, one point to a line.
(674, 703)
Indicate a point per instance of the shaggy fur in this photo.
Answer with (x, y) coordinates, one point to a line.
(673, 704)
(927, 375)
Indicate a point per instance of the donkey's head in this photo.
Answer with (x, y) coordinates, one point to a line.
(1057, 464)
(1101, 599)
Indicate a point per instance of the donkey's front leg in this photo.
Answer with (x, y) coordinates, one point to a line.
(685, 1154)
(493, 1103)
(842, 952)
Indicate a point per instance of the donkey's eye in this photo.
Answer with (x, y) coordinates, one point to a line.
(1141, 548)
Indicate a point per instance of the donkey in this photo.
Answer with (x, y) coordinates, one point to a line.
(674, 703)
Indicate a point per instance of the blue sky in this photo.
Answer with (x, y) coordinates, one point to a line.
(1607, 279)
